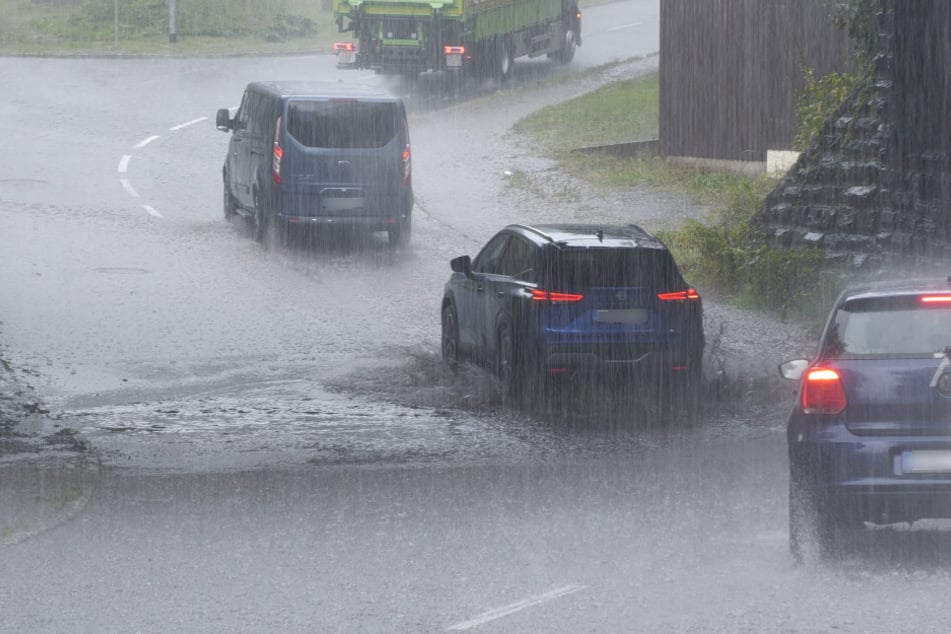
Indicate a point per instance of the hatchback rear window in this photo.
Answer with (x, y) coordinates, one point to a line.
(595, 267)
(342, 124)
(889, 327)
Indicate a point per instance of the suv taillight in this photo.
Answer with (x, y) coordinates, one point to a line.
(539, 295)
(679, 296)
(822, 392)
(278, 153)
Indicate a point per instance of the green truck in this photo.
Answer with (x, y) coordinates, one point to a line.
(482, 37)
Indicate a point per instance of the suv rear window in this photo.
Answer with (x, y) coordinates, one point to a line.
(889, 327)
(593, 267)
(342, 124)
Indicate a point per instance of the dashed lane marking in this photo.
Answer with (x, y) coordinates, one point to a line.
(178, 127)
(498, 613)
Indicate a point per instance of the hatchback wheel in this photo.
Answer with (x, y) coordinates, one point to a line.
(450, 338)
(817, 531)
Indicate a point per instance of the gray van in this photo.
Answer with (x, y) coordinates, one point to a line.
(310, 154)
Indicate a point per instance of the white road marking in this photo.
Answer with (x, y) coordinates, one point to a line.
(151, 210)
(124, 163)
(141, 144)
(497, 613)
(187, 123)
(624, 26)
(126, 185)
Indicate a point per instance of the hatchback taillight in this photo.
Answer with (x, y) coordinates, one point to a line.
(822, 392)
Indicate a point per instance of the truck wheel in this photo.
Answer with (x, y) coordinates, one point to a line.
(567, 52)
(503, 59)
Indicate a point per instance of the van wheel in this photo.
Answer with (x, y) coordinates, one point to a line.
(399, 233)
(259, 226)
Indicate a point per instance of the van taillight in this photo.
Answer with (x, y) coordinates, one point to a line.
(278, 153)
(407, 168)
(679, 296)
(539, 295)
(822, 392)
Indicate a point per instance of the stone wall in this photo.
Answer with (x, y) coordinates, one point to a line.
(876, 184)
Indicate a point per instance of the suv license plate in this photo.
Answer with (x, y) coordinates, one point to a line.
(621, 316)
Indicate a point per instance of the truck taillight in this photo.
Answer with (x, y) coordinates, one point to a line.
(822, 392)
(679, 296)
(278, 153)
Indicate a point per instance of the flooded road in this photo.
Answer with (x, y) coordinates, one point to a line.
(274, 444)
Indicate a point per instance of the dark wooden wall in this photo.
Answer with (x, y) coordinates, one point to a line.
(731, 71)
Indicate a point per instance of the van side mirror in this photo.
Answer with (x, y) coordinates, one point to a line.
(462, 264)
(224, 121)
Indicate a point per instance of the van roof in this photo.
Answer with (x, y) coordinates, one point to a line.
(312, 88)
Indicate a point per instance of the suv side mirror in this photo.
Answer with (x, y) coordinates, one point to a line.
(462, 264)
(224, 121)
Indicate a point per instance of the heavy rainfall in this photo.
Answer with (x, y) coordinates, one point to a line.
(213, 423)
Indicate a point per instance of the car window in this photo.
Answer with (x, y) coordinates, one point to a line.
(577, 268)
(244, 112)
(871, 329)
(489, 259)
(342, 124)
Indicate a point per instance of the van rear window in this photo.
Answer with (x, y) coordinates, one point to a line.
(342, 124)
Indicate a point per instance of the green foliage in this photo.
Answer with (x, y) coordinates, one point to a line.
(818, 101)
(143, 24)
(859, 18)
(627, 110)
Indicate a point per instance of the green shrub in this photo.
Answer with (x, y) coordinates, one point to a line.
(818, 101)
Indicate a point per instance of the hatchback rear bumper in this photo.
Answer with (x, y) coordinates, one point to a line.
(867, 477)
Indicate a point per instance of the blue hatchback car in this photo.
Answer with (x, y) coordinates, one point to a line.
(870, 436)
(565, 300)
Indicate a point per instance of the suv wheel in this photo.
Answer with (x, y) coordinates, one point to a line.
(229, 205)
(450, 338)
(507, 363)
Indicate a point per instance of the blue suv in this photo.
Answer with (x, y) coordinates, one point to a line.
(547, 301)
(870, 435)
